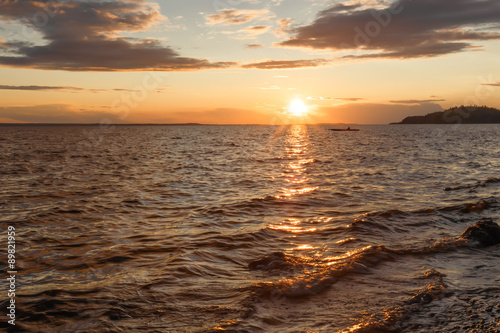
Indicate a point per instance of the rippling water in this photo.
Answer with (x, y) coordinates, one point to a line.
(252, 228)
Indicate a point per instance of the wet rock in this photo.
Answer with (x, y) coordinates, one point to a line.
(486, 232)
(492, 180)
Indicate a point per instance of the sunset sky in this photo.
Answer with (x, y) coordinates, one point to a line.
(245, 61)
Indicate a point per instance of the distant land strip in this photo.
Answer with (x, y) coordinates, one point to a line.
(156, 124)
(96, 124)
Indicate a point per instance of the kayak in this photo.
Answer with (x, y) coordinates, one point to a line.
(343, 129)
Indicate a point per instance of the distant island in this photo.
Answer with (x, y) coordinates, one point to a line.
(458, 115)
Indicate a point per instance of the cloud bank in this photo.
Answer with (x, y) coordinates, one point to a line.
(87, 36)
(405, 29)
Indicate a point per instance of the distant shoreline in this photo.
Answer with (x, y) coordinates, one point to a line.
(95, 124)
(180, 124)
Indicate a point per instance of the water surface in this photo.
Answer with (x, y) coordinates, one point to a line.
(252, 228)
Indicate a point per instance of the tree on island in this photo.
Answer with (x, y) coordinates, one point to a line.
(458, 115)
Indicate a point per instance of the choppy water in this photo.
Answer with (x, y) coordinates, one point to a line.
(252, 228)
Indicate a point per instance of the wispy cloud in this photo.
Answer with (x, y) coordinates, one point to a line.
(235, 16)
(64, 89)
(417, 101)
(405, 29)
(87, 36)
(287, 64)
(40, 88)
(319, 98)
(253, 46)
(256, 30)
(494, 84)
(350, 99)
(346, 99)
(283, 24)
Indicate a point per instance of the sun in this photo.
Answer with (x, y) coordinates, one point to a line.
(298, 108)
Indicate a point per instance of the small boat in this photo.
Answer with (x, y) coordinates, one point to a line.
(344, 129)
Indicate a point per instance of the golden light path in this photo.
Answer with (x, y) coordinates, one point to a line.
(295, 175)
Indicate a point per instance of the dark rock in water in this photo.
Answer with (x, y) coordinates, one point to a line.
(485, 232)
(274, 260)
(492, 180)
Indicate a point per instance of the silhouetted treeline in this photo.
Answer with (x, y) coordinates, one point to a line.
(458, 115)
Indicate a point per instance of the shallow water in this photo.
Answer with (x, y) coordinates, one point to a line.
(252, 228)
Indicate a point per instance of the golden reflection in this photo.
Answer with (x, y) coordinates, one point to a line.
(347, 240)
(297, 143)
(223, 326)
(353, 328)
(290, 228)
(297, 182)
(348, 254)
(324, 219)
(291, 192)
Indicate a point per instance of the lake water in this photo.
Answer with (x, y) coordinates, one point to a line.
(251, 228)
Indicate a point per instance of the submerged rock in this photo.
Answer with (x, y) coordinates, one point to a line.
(485, 232)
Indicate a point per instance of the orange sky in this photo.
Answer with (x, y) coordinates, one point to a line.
(245, 61)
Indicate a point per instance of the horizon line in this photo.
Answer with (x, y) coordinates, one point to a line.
(169, 124)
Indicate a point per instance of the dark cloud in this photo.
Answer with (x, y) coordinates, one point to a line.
(85, 36)
(56, 113)
(287, 64)
(406, 29)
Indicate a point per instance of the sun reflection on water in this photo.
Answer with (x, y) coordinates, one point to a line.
(305, 247)
(290, 228)
(297, 184)
(347, 255)
(295, 172)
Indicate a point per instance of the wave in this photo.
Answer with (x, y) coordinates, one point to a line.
(325, 272)
(262, 205)
(473, 187)
(303, 278)
(395, 319)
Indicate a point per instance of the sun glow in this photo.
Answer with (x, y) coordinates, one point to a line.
(298, 108)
